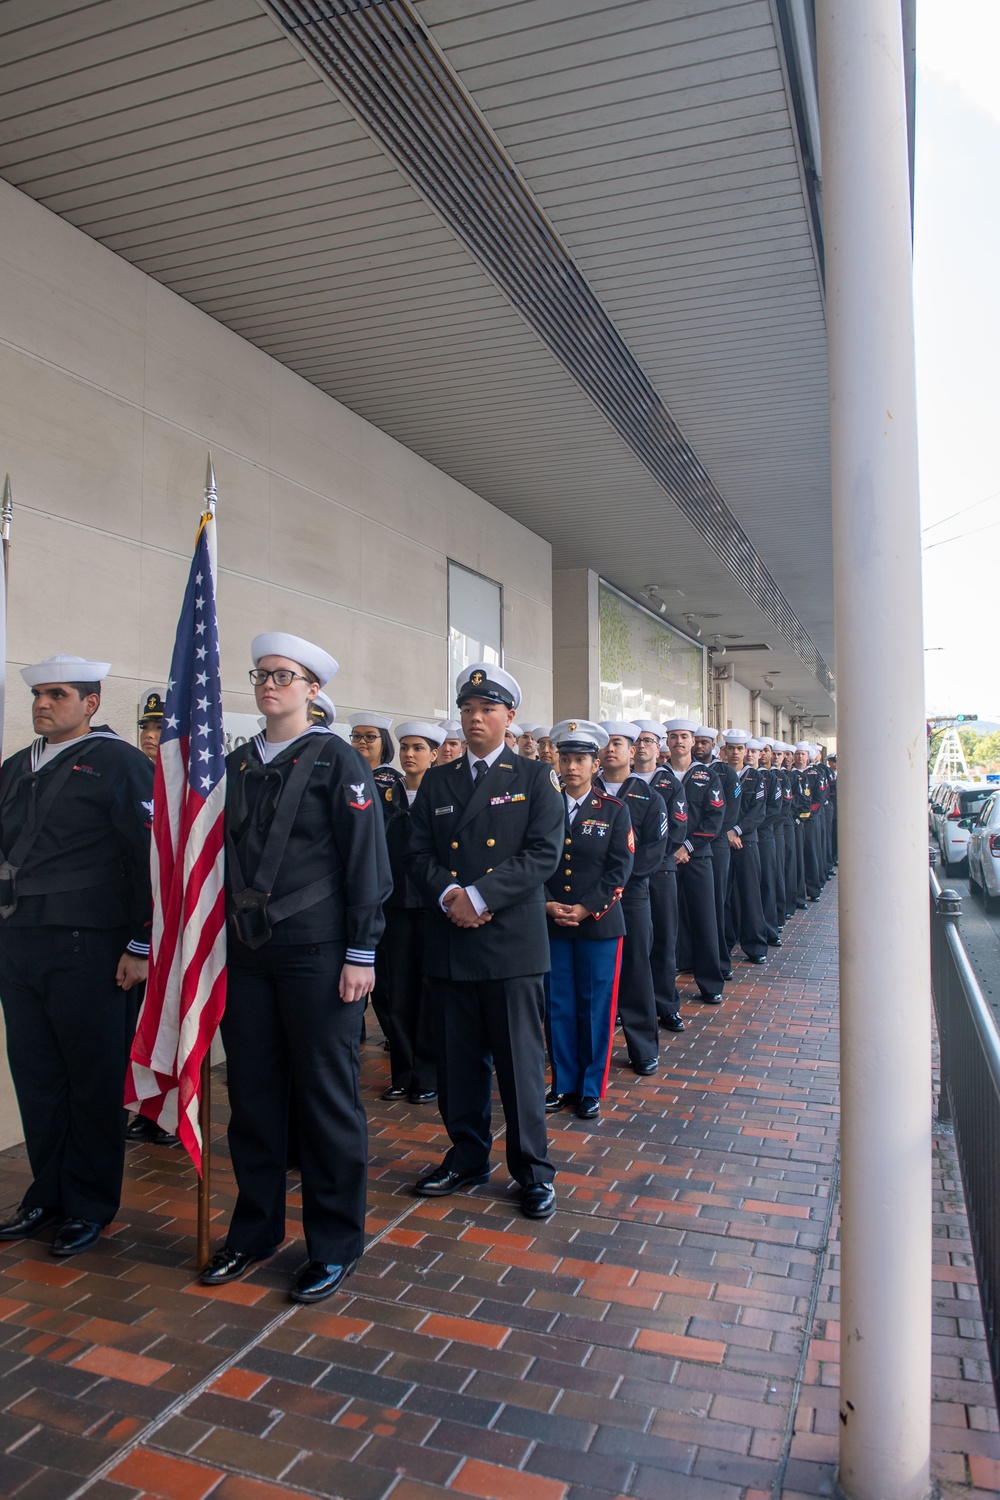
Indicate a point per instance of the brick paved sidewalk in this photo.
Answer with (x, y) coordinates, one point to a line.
(670, 1332)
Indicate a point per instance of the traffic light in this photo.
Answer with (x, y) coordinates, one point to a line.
(965, 718)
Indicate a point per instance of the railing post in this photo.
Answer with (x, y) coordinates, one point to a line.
(947, 909)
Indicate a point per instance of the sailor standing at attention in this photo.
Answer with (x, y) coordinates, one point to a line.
(586, 925)
(486, 834)
(75, 914)
(306, 875)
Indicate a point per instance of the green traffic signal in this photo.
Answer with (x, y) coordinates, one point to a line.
(965, 718)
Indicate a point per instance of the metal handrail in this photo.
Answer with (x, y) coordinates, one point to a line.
(970, 1097)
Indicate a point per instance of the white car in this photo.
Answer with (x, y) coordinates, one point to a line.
(960, 805)
(984, 850)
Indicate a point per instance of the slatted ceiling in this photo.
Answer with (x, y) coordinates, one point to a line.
(230, 179)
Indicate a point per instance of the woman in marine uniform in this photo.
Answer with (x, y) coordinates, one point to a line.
(307, 873)
(400, 958)
(586, 925)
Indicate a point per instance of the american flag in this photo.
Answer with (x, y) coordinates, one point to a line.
(186, 992)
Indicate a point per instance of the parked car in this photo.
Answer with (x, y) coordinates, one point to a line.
(960, 805)
(984, 851)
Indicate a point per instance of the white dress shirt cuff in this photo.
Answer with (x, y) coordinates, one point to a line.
(473, 895)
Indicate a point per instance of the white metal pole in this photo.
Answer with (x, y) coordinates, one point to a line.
(883, 893)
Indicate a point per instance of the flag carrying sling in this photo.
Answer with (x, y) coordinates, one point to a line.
(186, 992)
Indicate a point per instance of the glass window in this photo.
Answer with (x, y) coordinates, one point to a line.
(475, 623)
(648, 670)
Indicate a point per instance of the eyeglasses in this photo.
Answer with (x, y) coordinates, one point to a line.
(365, 739)
(282, 676)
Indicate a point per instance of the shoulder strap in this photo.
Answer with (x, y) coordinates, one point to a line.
(38, 811)
(252, 900)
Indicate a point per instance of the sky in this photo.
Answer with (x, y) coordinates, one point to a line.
(957, 310)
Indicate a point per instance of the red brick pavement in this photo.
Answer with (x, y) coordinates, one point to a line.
(653, 1338)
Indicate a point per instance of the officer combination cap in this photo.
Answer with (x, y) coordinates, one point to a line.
(737, 737)
(485, 680)
(649, 726)
(65, 668)
(579, 736)
(623, 727)
(451, 729)
(322, 711)
(422, 729)
(690, 725)
(152, 705)
(758, 744)
(369, 720)
(320, 663)
(706, 732)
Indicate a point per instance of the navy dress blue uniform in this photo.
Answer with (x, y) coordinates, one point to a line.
(771, 847)
(698, 922)
(82, 899)
(582, 986)
(722, 851)
(399, 961)
(503, 834)
(636, 994)
(284, 1017)
(663, 897)
(746, 912)
(391, 788)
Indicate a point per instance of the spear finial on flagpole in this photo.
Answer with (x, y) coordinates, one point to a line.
(211, 494)
(6, 516)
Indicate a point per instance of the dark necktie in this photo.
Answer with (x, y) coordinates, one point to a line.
(479, 769)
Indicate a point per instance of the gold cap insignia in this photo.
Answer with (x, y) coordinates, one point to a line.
(477, 679)
(571, 726)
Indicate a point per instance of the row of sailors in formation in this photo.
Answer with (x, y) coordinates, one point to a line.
(499, 909)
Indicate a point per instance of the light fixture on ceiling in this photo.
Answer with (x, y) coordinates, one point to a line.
(717, 648)
(694, 629)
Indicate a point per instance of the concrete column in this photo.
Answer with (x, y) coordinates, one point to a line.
(884, 964)
(576, 654)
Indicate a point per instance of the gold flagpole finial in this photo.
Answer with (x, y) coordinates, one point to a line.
(6, 516)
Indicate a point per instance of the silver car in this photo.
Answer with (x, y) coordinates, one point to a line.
(984, 850)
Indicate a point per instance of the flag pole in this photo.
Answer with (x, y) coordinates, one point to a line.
(6, 515)
(205, 1100)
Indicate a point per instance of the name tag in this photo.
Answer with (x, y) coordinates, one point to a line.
(440, 811)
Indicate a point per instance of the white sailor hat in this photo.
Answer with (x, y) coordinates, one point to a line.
(485, 680)
(756, 744)
(422, 729)
(451, 729)
(649, 726)
(690, 725)
(580, 735)
(623, 727)
(533, 729)
(706, 732)
(369, 720)
(515, 729)
(65, 668)
(736, 736)
(320, 663)
(803, 745)
(322, 710)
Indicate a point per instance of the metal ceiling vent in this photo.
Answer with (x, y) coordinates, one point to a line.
(390, 72)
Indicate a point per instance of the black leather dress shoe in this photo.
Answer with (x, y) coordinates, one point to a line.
(710, 999)
(228, 1265)
(141, 1128)
(319, 1279)
(538, 1201)
(671, 1023)
(28, 1221)
(776, 944)
(394, 1093)
(423, 1096)
(587, 1107)
(442, 1181)
(555, 1102)
(76, 1235)
(727, 974)
(758, 958)
(645, 1068)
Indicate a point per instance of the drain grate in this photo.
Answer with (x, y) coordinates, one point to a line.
(383, 62)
